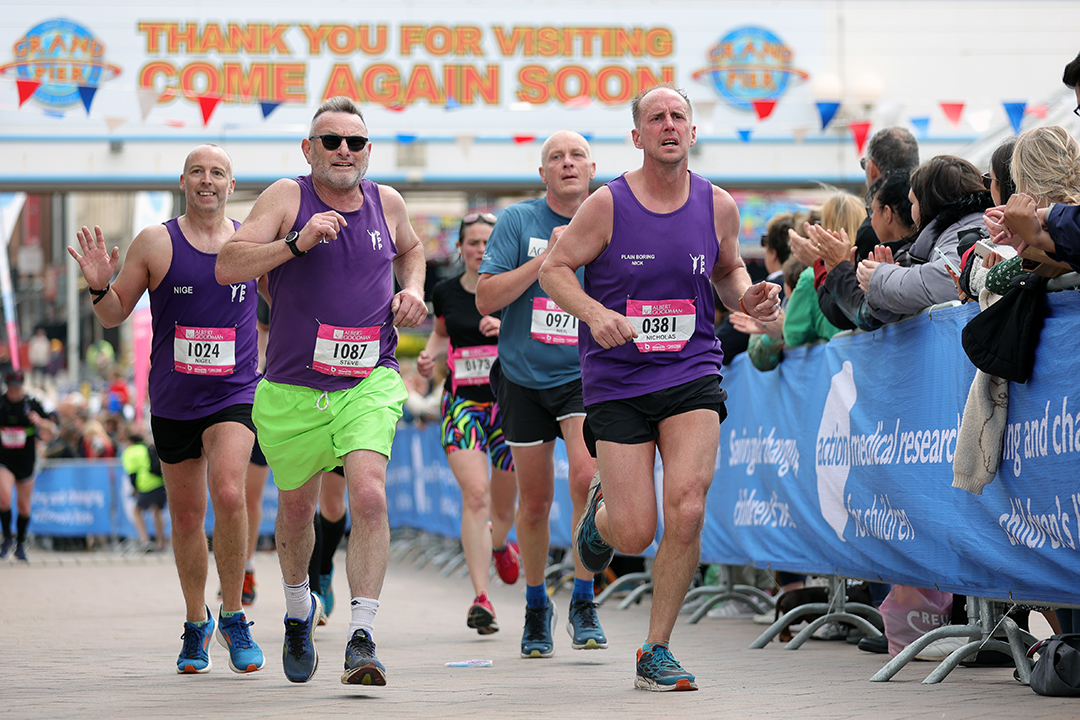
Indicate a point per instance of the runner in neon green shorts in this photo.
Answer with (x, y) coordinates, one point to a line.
(304, 431)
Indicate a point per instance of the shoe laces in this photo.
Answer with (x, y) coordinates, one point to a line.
(237, 628)
(361, 644)
(193, 640)
(660, 660)
(536, 624)
(585, 613)
(296, 637)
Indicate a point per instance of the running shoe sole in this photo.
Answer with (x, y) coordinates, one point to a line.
(482, 620)
(367, 673)
(643, 683)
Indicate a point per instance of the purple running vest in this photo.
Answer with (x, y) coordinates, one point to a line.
(190, 310)
(345, 283)
(654, 257)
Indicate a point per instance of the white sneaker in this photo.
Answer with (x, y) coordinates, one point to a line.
(730, 609)
(831, 631)
(767, 618)
(941, 649)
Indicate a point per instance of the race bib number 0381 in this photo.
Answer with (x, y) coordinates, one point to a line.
(661, 325)
(346, 352)
(551, 324)
(204, 351)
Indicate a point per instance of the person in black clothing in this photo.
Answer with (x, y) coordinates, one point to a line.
(22, 420)
(472, 427)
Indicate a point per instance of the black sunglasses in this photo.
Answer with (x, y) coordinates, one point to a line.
(987, 180)
(473, 218)
(333, 142)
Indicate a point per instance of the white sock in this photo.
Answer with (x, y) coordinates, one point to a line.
(363, 615)
(250, 565)
(297, 599)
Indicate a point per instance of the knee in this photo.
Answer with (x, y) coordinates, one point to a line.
(684, 520)
(632, 538)
(367, 501)
(535, 504)
(294, 515)
(476, 498)
(187, 520)
(229, 499)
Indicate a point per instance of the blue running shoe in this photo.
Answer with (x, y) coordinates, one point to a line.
(361, 665)
(195, 655)
(20, 552)
(584, 626)
(595, 554)
(5, 548)
(657, 670)
(244, 655)
(537, 640)
(326, 592)
(299, 656)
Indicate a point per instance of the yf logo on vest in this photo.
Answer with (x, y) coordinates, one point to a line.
(238, 292)
(376, 239)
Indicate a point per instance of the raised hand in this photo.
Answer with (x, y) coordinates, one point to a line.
(98, 265)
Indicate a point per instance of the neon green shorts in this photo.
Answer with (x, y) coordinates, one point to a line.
(303, 431)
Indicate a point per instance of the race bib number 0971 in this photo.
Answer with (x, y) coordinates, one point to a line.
(553, 325)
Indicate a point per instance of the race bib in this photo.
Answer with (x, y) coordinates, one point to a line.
(346, 352)
(472, 365)
(662, 325)
(204, 351)
(13, 438)
(551, 324)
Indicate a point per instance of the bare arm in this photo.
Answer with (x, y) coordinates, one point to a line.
(409, 265)
(585, 238)
(729, 275)
(494, 292)
(437, 346)
(151, 246)
(258, 247)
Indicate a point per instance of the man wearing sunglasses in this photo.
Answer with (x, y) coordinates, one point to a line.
(653, 244)
(540, 390)
(331, 244)
(201, 385)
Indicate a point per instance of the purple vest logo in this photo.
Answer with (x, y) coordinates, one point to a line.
(748, 64)
(63, 57)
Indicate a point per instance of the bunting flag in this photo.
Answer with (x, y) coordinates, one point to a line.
(406, 139)
(1038, 111)
(451, 102)
(26, 89)
(114, 122)
(744, 134)
(522, 139)
(764, 108)
(395, 107)
(953, 111)
(267, 107)
(979, 120)
(859, 130)
(54, 114)
(148, 98)
(207, 103)
(1015, 111)
(86, 93)
(799, 133)
(175, 123)
(921, 125)
(827, 110)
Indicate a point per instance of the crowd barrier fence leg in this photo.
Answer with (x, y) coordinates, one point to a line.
(757, 599)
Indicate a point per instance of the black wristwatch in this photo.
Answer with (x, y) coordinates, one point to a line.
(290, 240)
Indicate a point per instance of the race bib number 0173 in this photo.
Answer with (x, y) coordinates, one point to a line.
(551, 324)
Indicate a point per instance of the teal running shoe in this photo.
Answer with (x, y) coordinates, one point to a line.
(244, 655)
(657, 670)
(195, 654)
(584, 626)
(361, 665)
(537, 641)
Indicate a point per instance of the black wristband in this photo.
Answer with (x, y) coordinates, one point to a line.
(99, 295)
(290, 240)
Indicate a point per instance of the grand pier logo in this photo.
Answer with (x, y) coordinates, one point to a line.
(63, 56)
(748, 64)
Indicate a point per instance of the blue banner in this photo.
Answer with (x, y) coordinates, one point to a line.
(840, 462)
(74, 498)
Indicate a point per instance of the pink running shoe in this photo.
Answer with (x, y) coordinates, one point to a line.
(508, 563)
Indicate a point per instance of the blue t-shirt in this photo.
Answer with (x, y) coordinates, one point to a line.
(522, 233)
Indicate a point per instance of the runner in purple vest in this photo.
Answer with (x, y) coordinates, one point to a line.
(202, 382)
(652, 242)
(330, 244)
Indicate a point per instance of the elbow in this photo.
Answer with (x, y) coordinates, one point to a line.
(223, 273)
(484, 304)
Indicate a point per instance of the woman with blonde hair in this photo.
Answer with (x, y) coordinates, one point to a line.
(1046, 166)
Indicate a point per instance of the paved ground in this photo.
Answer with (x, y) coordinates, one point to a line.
(92, 635)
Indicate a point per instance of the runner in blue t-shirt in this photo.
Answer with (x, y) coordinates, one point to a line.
(540, 387)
